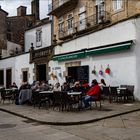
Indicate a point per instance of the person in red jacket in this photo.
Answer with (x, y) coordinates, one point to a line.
(92, 94)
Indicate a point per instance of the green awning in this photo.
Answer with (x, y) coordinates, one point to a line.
(109, 49)
(94, 51)
(69, 56)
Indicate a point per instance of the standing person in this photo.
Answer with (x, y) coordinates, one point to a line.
(92, 94)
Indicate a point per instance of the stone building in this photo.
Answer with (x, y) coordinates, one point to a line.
(3, 32)
(91, 36)
(16, 25)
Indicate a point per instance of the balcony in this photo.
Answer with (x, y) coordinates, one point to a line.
(90, 23)
(59, 8)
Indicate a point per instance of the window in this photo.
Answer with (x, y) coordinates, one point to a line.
(60, 24)
(25, 76)
(117, 4)
(70, 21)
(29, 24)
(39, 37)
(99, 11)
(82, 18)
(1, 77)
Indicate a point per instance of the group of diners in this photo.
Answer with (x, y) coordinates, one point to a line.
(88, 92)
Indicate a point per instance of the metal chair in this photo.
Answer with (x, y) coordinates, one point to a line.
(113, 94)
(130, 92)
(97, 98)
(6, 95)
(106, 93)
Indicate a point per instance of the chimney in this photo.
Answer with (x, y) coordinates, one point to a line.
(35, 8)
(21, 11)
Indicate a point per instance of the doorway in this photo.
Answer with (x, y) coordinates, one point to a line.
(41, 72)
(1, 77)
(8, 78)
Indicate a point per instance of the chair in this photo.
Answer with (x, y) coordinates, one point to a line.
(6, 95)
(35, 98)
(39, 99)
(130, 92)
(97, 98)
(73, 101)
(57, 99)
(106, 93)
(113, 94)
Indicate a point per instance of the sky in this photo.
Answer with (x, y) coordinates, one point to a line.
(11, 6)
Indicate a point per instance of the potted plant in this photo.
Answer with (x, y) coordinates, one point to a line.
(94, 71)
(107, 70)
(101, 71)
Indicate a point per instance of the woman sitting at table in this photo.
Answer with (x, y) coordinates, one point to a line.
(92, 94)
(57, 87)
(102, 84)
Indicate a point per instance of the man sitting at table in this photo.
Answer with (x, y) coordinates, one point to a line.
(92, 94)
(77, 87)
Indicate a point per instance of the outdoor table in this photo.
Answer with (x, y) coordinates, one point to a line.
(76, 95)
(46, 92)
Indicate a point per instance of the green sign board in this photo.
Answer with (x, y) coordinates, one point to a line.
(69, 56)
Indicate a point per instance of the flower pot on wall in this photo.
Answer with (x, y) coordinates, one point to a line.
(94, 71)
(107, 70)
(101, 71)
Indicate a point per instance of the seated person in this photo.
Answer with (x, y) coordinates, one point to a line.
(65, 87)
(24, 85)
(57, 87)
(44, 86)
(102, 84)
(14, 85)
(36, 86)
(85, 85)
(77, 87)
(92, 94)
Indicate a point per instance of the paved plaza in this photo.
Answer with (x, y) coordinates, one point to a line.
(55, 117)
(123, 127)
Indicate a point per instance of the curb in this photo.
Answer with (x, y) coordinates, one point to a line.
(68, 123)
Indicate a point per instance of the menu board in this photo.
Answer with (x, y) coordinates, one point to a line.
(83, 73)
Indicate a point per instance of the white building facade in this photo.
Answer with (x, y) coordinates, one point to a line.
(21, 67)
(116, 47)
(39, 35)
(15, 69)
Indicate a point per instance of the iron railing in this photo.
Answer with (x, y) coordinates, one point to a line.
(87, 23)
(56, 4)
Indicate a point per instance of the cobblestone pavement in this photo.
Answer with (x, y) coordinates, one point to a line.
(124, 127)
(50, 116)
